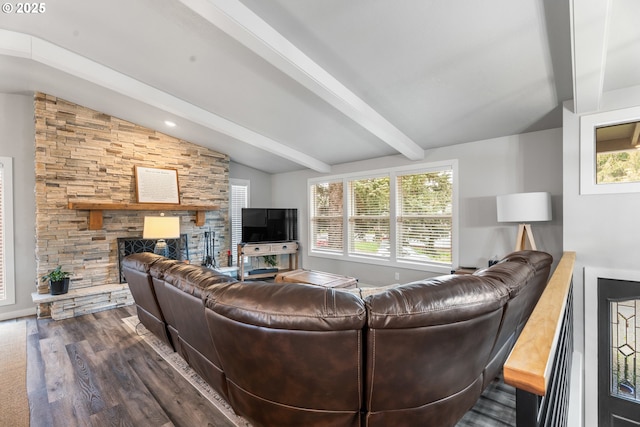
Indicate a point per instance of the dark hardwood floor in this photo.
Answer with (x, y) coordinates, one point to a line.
(92, 371)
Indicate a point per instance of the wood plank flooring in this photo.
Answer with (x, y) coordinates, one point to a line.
(91, 371)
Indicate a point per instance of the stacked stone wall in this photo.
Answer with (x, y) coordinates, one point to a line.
(83, 155)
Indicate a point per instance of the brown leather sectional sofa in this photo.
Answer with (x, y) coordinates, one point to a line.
(288, 354)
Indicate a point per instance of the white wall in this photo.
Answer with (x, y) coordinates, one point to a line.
(526, 162)
(600, 228)
(17, 136)
(259, 187)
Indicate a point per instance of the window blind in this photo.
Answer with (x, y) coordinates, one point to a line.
(424, 216)
(326, 216)
(239, 200)
(369, 217)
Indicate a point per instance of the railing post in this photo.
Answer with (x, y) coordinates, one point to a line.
(527, 408)
(540, 364)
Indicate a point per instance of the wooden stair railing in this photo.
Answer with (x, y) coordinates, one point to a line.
(540, 362)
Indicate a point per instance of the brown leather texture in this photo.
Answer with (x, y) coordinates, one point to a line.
(294, 354)
(135, 269)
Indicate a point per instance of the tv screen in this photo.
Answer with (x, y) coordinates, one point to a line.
(269, 225)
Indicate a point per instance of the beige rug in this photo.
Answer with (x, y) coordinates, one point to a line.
(181, 366)
(14, 403)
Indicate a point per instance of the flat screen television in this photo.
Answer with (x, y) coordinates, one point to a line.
(269, 225)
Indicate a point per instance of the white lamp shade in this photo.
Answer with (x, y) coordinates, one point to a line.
(524, 207)
(161, 227)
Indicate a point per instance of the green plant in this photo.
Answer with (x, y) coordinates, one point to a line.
(56, 275)
(270, 260)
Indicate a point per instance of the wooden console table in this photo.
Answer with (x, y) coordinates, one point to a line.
(262, 249)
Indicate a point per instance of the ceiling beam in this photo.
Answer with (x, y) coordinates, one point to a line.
(239, 22)
(589, 20)
(25, 46)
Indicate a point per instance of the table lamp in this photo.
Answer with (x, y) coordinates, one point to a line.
(524, 208)
(161, 228)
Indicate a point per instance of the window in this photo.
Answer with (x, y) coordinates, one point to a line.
(424, 214)
(369, 216)
(403, 216)
(239, 199)
(326, 220)
(7, 279)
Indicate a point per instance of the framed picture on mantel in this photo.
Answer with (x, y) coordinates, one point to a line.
(156, 185)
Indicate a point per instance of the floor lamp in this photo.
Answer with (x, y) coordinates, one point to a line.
(160, 228)
(524, 208)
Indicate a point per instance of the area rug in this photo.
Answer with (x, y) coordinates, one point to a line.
(181, 366)
(13, 373)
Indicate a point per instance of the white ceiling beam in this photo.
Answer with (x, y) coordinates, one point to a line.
(26, 46)
(246, 27)
(589, 20)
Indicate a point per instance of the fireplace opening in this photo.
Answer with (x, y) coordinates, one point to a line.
(177, 249)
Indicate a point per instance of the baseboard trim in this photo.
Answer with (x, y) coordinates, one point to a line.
(18, 313)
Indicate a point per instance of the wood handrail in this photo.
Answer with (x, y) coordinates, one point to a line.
(530, 362)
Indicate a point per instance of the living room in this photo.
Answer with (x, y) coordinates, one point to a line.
(594, 225)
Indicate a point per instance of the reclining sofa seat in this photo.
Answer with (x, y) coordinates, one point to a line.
(180, 291)
(427, 346)
(525, 285)
(136, 270)
(156, 272)
(287, 354)
(453, 333)
(292, 352)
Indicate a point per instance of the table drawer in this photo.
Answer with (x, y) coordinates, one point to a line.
(264, 249)
(284, 248)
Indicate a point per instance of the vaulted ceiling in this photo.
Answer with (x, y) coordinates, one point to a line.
(282, 85)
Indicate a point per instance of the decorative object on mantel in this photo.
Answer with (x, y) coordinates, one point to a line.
(157, 185)
(58, 280)
(161, 228)
(524, 208)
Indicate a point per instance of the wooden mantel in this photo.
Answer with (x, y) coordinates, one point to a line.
(95, 210)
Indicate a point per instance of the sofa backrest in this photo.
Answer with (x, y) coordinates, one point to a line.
(136, 270)
(427, 345)
(524, 274)
(292, 352)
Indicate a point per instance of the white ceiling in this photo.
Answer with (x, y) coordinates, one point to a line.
(282, 85)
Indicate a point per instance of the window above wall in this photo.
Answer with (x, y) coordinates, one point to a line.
(403, 217)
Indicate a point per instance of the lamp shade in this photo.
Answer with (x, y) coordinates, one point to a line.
(161, 227)
(524, 207)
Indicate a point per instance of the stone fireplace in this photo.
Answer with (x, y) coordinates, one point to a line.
(84, 155)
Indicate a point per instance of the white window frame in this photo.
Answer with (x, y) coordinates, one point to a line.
(239, 183)
(391, 261)
(8, 261)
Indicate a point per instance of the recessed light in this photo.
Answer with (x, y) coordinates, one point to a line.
(170, 123)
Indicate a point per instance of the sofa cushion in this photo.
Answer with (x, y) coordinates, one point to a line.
(434, 301)
(192, 279)
(141, 261)
(288, 306)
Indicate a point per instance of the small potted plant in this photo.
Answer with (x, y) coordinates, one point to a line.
(270, 260)
(58, 280)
